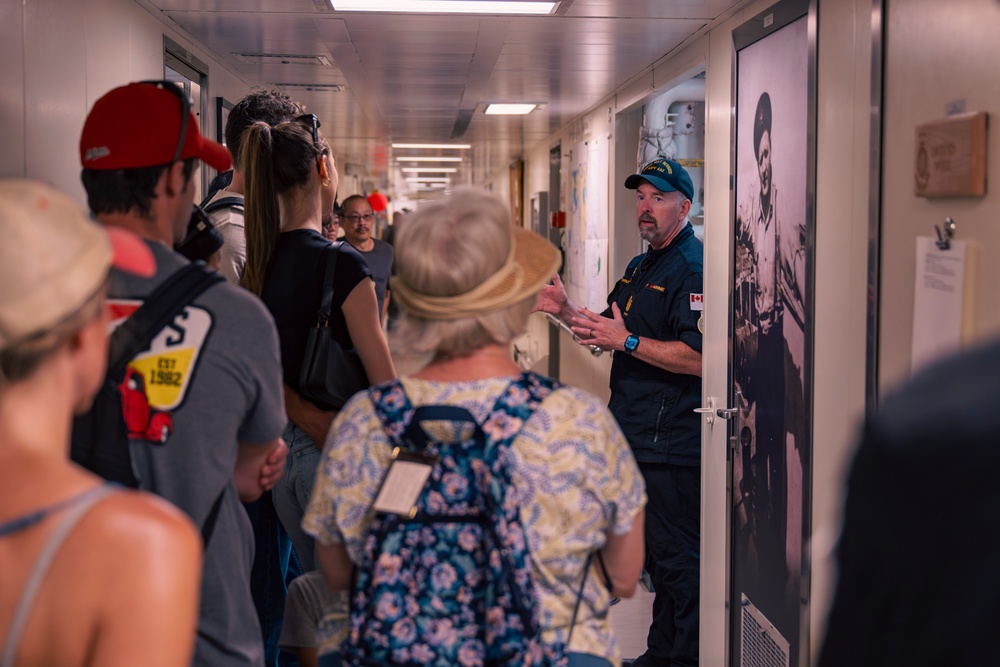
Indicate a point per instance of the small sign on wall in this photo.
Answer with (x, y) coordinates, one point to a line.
(951, 157)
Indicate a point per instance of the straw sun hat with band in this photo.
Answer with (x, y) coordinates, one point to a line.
(54, 259)
(530, 264)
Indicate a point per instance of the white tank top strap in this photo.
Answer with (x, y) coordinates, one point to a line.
(79, 508)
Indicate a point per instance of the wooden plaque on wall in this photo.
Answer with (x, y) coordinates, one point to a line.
(951, 157)
(516, 190)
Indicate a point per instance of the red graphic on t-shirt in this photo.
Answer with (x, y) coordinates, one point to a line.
(142, 420)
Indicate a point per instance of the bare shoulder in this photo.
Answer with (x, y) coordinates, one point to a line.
(123, 588)
(157, 550)
(138, 522)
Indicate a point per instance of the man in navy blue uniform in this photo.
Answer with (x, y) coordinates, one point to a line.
(653, 324)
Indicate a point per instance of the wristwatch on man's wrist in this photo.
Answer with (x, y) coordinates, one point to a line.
(631, 343)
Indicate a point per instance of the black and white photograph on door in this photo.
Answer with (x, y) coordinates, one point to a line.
(770, 331)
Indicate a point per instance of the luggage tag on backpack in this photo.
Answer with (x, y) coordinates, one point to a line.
(403, 483)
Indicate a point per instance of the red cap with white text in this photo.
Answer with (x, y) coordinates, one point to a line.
(139, 125)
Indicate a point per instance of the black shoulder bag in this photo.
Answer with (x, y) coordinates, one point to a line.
(330, 374)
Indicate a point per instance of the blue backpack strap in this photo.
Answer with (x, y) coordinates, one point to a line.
(517, 402)
(415, 438)
(393, 408)
(402, 421)
(520, 400)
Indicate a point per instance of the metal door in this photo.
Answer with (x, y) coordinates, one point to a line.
(770, 328)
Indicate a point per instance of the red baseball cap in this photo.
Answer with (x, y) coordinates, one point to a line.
(139, 125)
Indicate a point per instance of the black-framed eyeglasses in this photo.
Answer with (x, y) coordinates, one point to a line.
(172, 88)
(314, 123)
(367, 217)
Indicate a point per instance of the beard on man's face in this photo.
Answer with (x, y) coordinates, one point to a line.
(647, 232)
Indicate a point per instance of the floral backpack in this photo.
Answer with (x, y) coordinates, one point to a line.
(450, 583)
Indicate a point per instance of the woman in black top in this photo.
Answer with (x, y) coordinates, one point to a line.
(290, 184)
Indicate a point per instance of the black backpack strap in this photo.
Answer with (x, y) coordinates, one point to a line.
(579, 595)
(604, 571)
(209, 206)
(209, 526)
(157, 311)
(221, 181)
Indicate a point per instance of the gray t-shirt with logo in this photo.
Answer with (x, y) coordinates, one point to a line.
(209, 379)
(379, 261)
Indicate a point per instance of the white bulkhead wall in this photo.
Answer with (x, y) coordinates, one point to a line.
(58, 58)
(937, 55)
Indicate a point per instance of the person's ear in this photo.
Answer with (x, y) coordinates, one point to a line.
(685, 208)
(175, 180)
(76, 341)
(324, 168)
(92, 334)
(86, 351)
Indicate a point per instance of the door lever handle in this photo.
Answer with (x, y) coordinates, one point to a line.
(727, 413)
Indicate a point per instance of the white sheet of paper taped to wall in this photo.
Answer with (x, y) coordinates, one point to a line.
(938, 295)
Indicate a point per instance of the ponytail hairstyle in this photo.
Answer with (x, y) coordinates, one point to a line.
(276, 160)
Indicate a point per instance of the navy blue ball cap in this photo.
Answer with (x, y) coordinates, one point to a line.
(664, 175)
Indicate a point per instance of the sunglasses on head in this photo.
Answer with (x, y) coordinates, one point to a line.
(311, 120)
(176, 91)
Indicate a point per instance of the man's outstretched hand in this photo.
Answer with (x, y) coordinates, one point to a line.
(552, 299)
(594, 329)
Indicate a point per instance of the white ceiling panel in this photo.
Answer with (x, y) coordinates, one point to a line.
(426, 78)
(250, 6)
(666, 9)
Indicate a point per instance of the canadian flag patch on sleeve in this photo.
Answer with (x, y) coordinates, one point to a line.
(697, 301)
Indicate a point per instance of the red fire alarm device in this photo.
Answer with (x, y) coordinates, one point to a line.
(558, 218)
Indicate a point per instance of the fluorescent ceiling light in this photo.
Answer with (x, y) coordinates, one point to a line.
(440, 146)
(417, 158)
(444, 6)
(429, 170)
(427, 179)
(509, 109)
